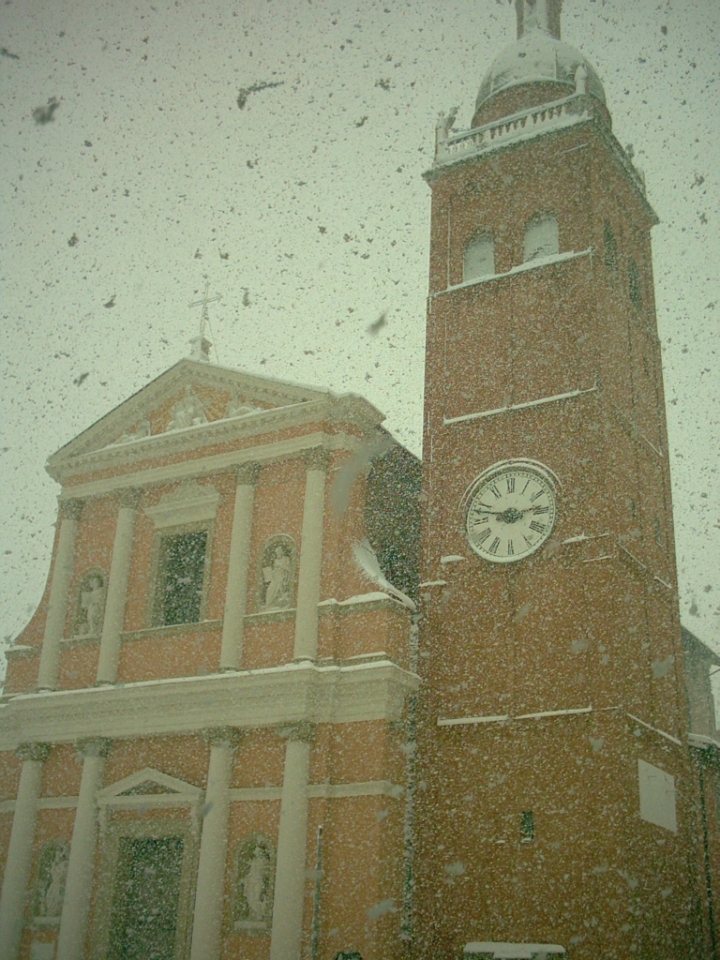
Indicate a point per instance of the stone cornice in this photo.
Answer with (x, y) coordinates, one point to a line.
(207, 466)
(295, 693)
(539, 121)
(68, 463)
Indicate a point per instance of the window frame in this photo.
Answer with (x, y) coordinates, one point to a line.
(535, 221)
(475, 239)
(157, 580)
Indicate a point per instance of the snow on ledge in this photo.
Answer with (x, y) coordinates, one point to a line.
(661, 733)
(371, 597)
(458, 721)
(520, 268)
(703, 742)
(453, 558)
(514, 951)
(448, 421)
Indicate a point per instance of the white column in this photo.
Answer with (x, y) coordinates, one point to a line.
(287, 923)
(209, 897)
(81, 866)
(308, 592)
(19, 856)
(238, 568)
(70, 511)
(117, 588)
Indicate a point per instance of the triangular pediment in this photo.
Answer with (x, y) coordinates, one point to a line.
(148, 783)
(190, 395)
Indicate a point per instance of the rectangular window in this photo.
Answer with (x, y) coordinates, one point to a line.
(181, 575)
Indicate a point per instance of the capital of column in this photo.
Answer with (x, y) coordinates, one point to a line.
(247, 473)
(130, 498)
(222, 736)
(71, 509)
(317, 458)
(303, 731)
(93, 747)
(33, 751)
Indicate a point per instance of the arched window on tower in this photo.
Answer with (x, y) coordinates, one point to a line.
(541, 237)
(479, 257)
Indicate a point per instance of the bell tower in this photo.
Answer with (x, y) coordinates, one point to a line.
(555, 794)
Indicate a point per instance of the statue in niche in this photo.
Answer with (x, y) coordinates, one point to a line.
(255, 866)
(187, 412)
(277, 572)
(91, 606)
(52, 874)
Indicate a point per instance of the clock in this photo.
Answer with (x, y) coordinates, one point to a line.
(510, 510)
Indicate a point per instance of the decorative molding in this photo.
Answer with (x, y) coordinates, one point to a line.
(162, 788)
(37, 752)
(202, 626)
(129, 499)
(317, 458)
(64, 465)
(71, 509)
(241, 794)
(370, 788)
(270, 697)
(191, 503)
(195, 468)
(94, 746)
(247, 474)
(222, 737)
(22, 651)
(109, 797)
(304, 732)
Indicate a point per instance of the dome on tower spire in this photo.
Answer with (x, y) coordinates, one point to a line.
(539, 66)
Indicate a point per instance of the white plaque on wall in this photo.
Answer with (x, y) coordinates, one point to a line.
(657, 796)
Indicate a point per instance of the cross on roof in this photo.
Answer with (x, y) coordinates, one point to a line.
(200, 344)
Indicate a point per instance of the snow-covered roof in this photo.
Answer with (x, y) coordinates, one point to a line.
(538, 57)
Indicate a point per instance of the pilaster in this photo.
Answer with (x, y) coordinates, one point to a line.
(238, 568)
(70, 511)
(308, 593)
(117, 588)
(78, 886)
(19, 858)
(207, 918)
(286, 942)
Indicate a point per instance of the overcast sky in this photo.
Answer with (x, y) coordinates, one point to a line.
(306, 210)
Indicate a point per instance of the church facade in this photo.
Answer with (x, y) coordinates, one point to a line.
(290, 694)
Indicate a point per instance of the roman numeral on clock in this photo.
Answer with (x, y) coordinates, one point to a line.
(494, 545)
(484, 535)
(538, 527)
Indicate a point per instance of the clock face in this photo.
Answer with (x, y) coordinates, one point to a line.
(510, 512)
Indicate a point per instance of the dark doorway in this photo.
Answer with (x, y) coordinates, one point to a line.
(147, 894)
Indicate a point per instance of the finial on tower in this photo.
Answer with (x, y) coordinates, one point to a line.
(538, 15)
(200, 344)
